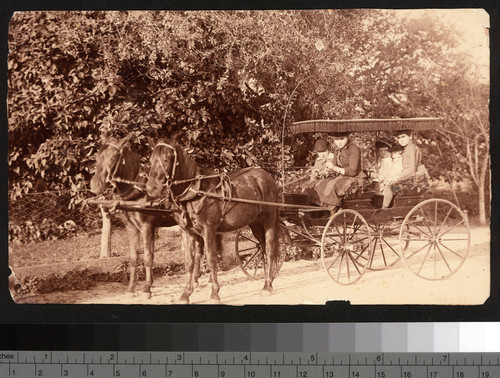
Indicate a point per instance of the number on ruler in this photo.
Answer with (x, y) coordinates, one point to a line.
(196, 373)
(329, 374)
(222, 373)
(433, 374)
(460, 374)
(355, 374)
(303, 374)
(407, 374)
(251, 373)
(380, 374)
(276, 374)
(485, 374)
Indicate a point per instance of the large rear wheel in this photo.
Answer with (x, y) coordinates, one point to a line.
(435, 239)
(346, 249)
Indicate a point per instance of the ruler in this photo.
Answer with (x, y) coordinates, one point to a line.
(127, 364)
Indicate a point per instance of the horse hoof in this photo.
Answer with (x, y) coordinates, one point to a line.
(214, 301)
(266, 293)
(183, 300)
(146, 295)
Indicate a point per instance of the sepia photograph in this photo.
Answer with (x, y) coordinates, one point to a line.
(253, 157)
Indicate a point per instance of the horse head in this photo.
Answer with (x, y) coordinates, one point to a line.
(164, 163)
(111, 164)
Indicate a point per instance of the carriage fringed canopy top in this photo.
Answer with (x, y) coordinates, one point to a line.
(360, 125)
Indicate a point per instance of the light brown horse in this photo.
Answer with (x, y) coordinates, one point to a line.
(175, 177)
(118, 166)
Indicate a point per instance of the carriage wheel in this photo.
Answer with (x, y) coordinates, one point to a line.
(346, 247)
(251, 257)
(385, 245)
(435, 239)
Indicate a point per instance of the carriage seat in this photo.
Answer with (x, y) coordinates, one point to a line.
(367, 198)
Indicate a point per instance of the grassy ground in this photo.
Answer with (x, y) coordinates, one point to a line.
(83, 247)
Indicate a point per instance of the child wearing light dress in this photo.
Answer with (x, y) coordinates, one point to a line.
(324, 160)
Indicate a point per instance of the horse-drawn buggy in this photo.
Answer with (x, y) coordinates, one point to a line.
(431, 236)
(355, 233)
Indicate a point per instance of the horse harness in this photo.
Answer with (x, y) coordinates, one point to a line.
(191, 192)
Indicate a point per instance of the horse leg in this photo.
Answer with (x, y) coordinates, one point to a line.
(198, 254)
(133, 238)
(210, 248)
(271, 233)
(188, 243)
(148, 241)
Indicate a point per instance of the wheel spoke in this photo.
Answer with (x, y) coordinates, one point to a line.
(361, 253)
(250, 259)
(334, 261)
(455, 226)
(344, 230)
(337, 228)
(347, 266)
(418, 228)
(435, 214)
(353, 262)
(360, 240)
(390, 246)
(426, 220)
(444, 221)
(353, 233)
(442, 256)
(249, 239)
(352, 227)
(340, 266)
(417, 251)
(452, 251)
(247, 249)
(425, 258)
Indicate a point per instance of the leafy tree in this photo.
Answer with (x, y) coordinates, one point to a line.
(229, 82)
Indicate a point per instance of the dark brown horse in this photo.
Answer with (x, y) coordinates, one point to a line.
(118, 166)
(175, 177)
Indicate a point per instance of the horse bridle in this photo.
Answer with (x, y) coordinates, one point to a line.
(112, 172)
(169, 178)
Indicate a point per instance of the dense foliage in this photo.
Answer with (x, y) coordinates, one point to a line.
(229, 82)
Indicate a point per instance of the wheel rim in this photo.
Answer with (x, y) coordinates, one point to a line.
(252, 259)
(385, 245)
(435, 240)
(346, 247)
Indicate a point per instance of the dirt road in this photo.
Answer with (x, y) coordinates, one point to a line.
(305, 282)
